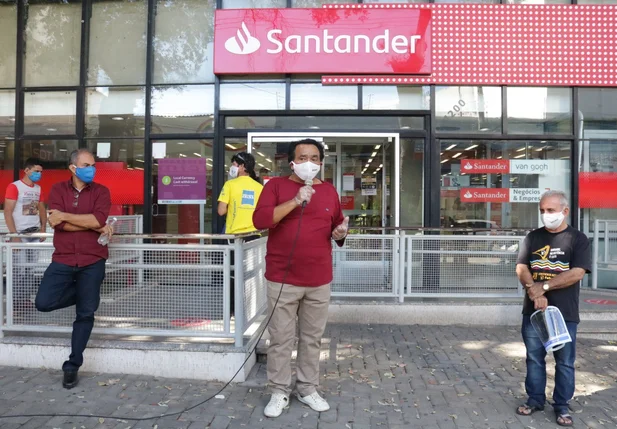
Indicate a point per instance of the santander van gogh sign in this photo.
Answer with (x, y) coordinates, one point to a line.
(322, 41)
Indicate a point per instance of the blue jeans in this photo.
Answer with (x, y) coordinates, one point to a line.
(535, 382)
(63, 286)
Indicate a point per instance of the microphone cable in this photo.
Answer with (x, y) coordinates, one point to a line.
(141, 419)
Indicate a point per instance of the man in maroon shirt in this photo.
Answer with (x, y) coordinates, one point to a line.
(78, 210)
(302, 281)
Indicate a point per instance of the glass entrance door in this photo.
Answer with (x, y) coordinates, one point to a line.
(363, 180)
(364, 168)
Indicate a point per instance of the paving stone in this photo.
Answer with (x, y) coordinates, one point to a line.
(375, 376)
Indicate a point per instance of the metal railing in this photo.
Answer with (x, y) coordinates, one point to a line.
(150, 289)
(456, 266)
(604, 257)
(163, 285)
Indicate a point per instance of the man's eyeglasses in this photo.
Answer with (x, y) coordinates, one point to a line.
(76, 200)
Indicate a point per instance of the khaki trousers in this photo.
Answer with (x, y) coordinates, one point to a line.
(310, 304)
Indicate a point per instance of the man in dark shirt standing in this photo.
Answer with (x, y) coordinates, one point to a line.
(551, 263)
(78, 211)
(304, 281)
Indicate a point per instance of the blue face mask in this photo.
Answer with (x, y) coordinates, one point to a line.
(85, 174)
(35, 176)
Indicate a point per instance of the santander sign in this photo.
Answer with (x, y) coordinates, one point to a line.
(322, 41)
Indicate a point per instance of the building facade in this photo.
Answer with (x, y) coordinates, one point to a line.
(134, 81)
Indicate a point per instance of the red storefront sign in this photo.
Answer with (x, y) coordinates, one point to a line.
(322, 41)
(347, 203)
(601, 301)
(485, 166)
(597, 190)
(483, 195)
(518, 45)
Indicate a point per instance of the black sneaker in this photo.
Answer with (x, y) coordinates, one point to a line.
(70, 379)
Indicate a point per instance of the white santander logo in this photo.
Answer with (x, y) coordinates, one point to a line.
(468, 166)
(243, 43)
(468, 194)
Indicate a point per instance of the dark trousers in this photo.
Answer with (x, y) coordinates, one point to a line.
(535, 382)
(63, 286)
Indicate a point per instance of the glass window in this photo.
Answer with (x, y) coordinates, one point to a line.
(54, 154)
(253, 4)
(253, 96)
(497, 184)
(183, 41)
(184, 217)
(326, 122)
(115, 112)
(468, 109)
(182, 109)
(119, 162)
(118, 43)
(7, 114)
(386, 97)
(317, 3)
(598, 181)
(50, 112)
(539, 110)
(8, 47)
(412, 182)
(598, 113)
(316, 96)
(53, 42)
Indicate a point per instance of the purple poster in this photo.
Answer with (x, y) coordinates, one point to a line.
(182, 181)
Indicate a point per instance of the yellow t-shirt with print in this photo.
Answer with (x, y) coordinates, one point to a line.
(240, 195)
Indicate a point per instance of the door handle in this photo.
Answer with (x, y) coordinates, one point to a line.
(155, 209)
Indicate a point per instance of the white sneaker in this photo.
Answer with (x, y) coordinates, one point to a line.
(315, 401)
(277, 404)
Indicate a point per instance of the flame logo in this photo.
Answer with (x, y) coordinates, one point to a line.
(468, 194)
(468, 166)
(243, 43)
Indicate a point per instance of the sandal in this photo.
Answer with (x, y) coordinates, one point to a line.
(527, 410)
(564, 419)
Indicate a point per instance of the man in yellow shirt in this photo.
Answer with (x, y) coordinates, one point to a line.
(238, 200)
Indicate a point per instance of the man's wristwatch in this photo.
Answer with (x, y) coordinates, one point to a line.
(545, 286)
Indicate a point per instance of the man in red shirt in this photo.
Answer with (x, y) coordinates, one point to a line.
(78, 211)
(302, 281)
(24, 213)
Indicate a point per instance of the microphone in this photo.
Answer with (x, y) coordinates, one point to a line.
(307, 182)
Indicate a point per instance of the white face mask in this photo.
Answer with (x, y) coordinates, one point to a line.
(306, 170)
(552, 220)
(233, 172)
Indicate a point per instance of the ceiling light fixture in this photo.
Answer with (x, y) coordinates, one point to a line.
(457, 155)
(451, 147)
(473, 146)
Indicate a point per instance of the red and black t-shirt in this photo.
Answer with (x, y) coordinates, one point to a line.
(549, 254)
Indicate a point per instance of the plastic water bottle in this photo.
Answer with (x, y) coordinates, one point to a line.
(104, 238)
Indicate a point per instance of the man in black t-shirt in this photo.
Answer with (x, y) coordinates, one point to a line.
(550, 265)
